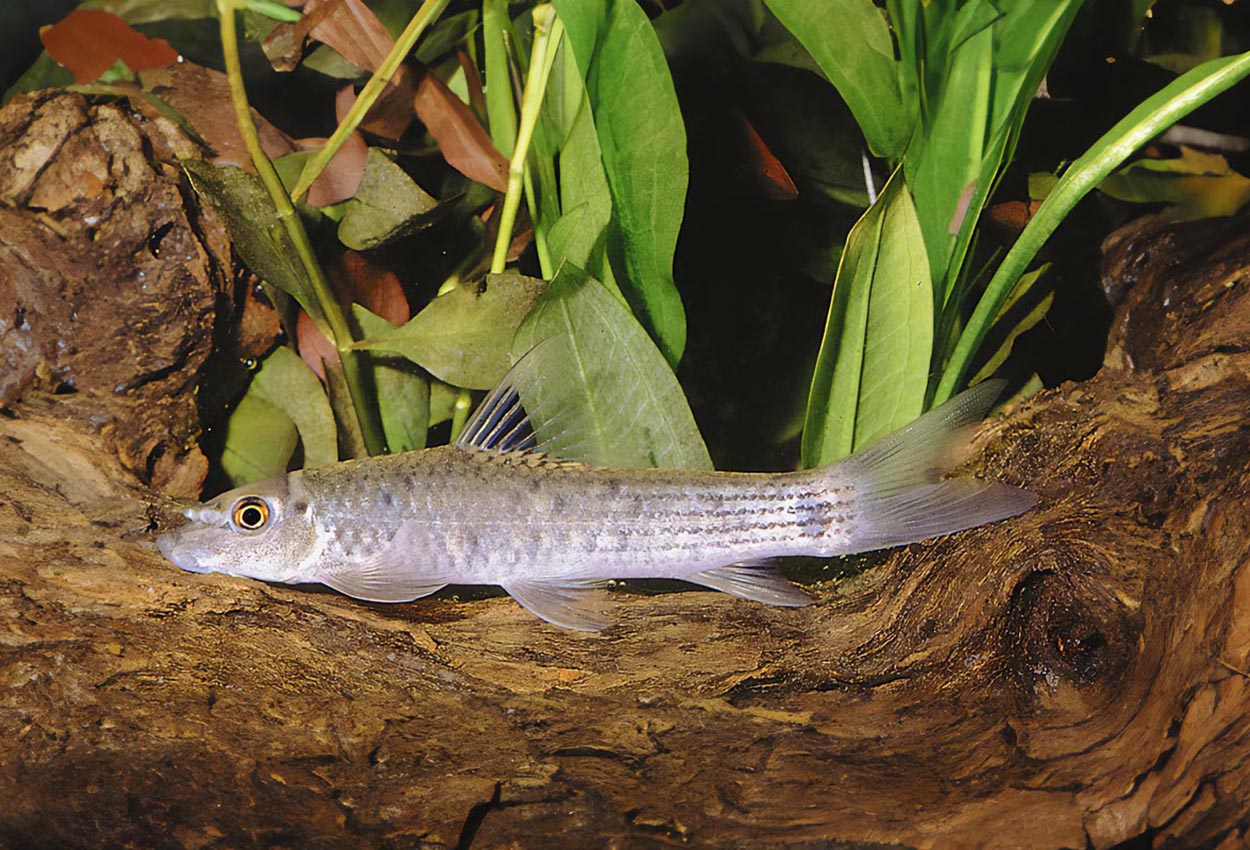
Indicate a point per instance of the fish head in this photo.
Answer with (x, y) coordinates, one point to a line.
(263, 531)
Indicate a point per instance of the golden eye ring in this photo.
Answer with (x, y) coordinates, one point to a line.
(250, 514)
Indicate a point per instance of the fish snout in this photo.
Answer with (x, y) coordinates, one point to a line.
(174, 548)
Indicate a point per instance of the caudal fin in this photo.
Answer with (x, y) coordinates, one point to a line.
(900, 496)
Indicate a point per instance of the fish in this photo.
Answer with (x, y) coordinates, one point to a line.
(499, 507)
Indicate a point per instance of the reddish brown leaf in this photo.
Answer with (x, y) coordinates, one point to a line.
(202, 96)
(372, 285)
(473, 80)
(351, 28)
(314, 346)
(341, 177)
(392, 113)
(464, 142)
(89, 42)
(771, 176)
(1010, 217)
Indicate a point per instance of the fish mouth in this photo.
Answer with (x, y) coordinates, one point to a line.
(174, 549)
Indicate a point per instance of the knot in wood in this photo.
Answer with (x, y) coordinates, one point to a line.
(1065, 628)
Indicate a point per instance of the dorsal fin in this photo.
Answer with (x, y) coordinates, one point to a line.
(572, 398)
(501, 423)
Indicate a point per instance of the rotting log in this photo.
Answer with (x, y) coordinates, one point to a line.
(1073, 677)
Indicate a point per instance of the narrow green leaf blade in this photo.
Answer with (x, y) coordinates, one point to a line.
(643, 143)
(872, 369)
(850, 41)
(463, 336)
(1154, 115)
(620, 403)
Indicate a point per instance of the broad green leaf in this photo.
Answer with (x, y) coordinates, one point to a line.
(255, 231)
(594, 375)
(403, 392)
(580, 235)
(463, 336)
(851, 42)
(1154, 115)
(873, 365)
(387, 205)
(286, 382)
(260, 440)
(643, 144)
(284, 405)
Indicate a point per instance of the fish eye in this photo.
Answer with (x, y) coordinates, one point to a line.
(251, 513)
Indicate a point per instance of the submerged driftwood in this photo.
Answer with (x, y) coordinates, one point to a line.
(1073, 677)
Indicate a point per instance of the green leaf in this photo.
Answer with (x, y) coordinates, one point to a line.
(270, 9)
(136, 12)
(619, 402)
(387, 205)
(286, 382)
(851, 42)
(500, 109)
(403, 392)
(873, 365)
(283, 406)
(463, 336)
(643, 144)
(44, 73)
(580, 235)
(979, 65)
(260, 440)
(255, 230)
(1149, 119)
(1195, 184)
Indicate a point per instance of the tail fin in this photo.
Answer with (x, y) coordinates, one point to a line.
(899, 493)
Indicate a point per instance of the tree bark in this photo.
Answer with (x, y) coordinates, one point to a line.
(1074, 677)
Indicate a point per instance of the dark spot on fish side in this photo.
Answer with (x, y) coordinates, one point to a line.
(387, 498)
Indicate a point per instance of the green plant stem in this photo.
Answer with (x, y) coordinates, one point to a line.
(1159, 112)
(327, 306)
(429, 11)
(547, 33)
(460, 413)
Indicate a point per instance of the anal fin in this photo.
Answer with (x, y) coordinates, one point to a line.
(757, 581)
(570, 604)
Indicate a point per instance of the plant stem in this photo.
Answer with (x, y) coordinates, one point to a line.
(547, 33)
(327, 306)
(369, 95)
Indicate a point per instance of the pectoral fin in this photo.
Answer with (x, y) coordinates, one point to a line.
(759, 582)
(387, 576)
(569, 604)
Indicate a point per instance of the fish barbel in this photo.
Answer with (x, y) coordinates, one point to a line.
(494, 509)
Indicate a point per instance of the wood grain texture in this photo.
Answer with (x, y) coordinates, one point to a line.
(1073, 677)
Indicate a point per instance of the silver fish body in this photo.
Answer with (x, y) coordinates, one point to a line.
(399, 527)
